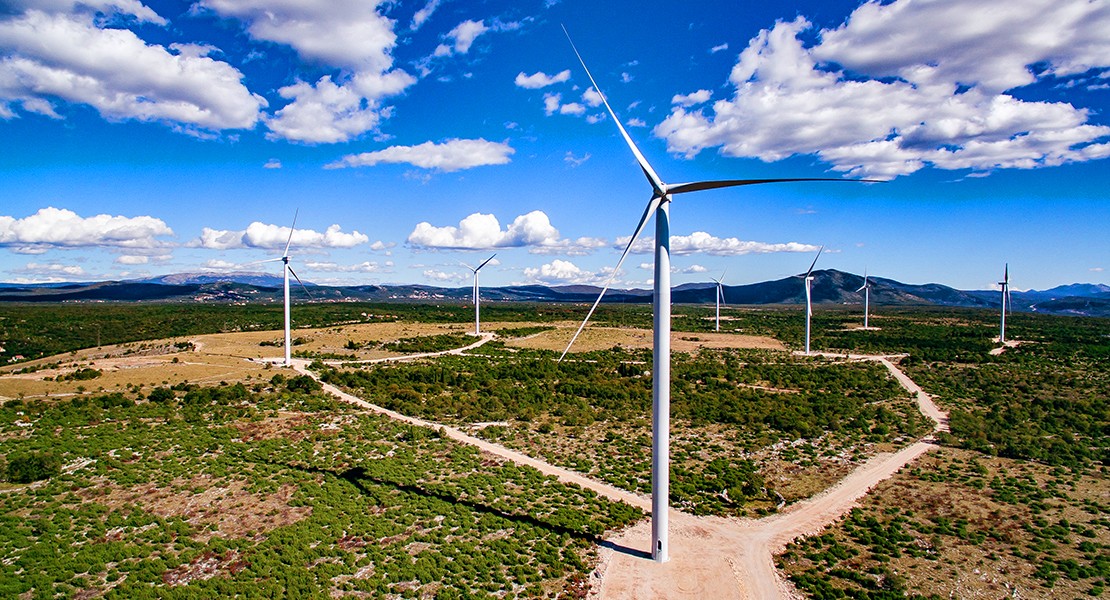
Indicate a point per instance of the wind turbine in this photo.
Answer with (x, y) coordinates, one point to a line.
(1005, 283)
(477, 321)
(659, 205)
(286, 270)
(808, 277)
(720, 299)
(866, 288)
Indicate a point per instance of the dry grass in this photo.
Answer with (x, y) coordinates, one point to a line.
(603, 338)
(216, 507)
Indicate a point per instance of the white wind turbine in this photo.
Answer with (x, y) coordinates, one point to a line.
(477, 321)
(866, 289)
(720, 299)
(808, 277)
(1005, 283)
(659, 205)
(286, 270)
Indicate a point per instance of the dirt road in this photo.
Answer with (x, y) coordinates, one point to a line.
(711, 557)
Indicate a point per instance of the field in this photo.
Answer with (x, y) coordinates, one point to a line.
(174, 460)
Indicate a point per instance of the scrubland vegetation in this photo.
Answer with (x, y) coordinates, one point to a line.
(264, 486)
(274, 489)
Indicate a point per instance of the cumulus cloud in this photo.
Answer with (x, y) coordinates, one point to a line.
(423, 14)
(270, 237)
(62, 228)
(482, 232)
(924, 86)
(51, 272)
(132, 259)
(363, 267)
(540, 79)
(452, 155)
(459, 39)
(349, 35)
(701, 242)
(443, 276)
(687, 100)
(75, 57)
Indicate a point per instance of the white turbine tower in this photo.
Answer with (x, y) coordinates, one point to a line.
(808, 277)
(659, 205)
(866, 289)
(477, 320)
(720, 299)
(286, 270)
(1005, 283)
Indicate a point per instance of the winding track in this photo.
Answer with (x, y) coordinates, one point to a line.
(712, 557)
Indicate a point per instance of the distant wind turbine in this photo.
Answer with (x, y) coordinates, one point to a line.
(477, 320)
(1006, 304)
(286, 270)
(866, 288)
(808, 277)
(659, 205)
(720, 299)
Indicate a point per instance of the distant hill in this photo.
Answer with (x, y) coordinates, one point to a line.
(829, 287)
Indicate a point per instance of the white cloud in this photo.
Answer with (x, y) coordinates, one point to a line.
(73, 57)
(592, 97)
(62, 228)
(577, 247)
(1096, 269)
(444, 276)
(563, 272)
(132, 259)
(635, 122)
(701, 242)
(423, 14)
(572, 108)
(346, 34)
(363, 267)
(691, 270)
(482, 232)
(540, 79)
(273, 163)
(687, 100)
(459, 39)
(262, 235)
(718, 48)
(452, 155)
(575, 161)
(52, 272)
(940, 101)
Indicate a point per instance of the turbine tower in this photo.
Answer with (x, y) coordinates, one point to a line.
(477, 321)
(720, 299)
(1005, 283)
(866, 289)
(659, 206)
(808, 277)
(286, 270)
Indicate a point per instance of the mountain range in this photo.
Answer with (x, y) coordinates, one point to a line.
(829, 287)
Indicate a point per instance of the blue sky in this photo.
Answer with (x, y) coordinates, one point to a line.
(151, 138)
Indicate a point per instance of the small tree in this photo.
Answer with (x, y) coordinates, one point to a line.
(28, 467)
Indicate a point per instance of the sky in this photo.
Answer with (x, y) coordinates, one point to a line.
(409, 139)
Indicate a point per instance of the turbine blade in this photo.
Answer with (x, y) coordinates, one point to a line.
(809, 300)
(697, 186)
(653, 178)
(303, 286)
(651, 207)
(290, 240)
(484, 263)
(815, 261)
(861, 288)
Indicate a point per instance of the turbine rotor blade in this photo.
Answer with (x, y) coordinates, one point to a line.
(290, 240)
(697, 186)
(484, 263)
(814, 263)
(653, 178)
(303, 286)
(651, 207)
